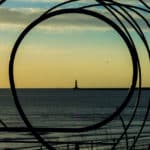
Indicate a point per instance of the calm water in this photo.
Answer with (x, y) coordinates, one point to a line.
(72, 108)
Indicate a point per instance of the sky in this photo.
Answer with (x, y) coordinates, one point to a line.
(66, 48)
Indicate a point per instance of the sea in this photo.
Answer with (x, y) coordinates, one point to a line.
(70, 108)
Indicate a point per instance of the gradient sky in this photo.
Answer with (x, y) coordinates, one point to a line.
(66, 48)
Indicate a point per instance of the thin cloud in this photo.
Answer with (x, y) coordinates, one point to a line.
(19, 18)
(12, 17)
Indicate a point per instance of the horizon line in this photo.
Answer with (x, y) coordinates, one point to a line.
(79, 88)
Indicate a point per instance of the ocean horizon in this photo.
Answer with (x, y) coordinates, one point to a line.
(68, 108)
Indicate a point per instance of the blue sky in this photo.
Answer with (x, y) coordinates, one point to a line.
(66, 48)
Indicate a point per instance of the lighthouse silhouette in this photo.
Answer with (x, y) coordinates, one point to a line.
(76, 84)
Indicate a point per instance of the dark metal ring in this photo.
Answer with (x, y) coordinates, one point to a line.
(133, 54)
(2, 1)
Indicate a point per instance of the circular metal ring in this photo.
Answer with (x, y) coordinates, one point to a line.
(2, 1)
(132, 51)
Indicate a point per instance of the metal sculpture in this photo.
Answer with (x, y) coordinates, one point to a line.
(118, 10)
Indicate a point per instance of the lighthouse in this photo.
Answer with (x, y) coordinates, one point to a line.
(76, 85)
